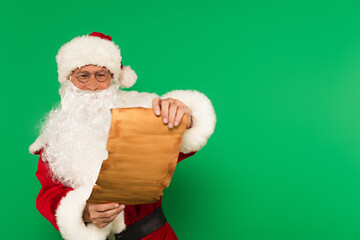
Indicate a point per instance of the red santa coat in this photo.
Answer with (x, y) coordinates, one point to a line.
(63, 206)
(52, 192)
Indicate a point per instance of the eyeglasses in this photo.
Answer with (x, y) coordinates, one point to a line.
(100, 76)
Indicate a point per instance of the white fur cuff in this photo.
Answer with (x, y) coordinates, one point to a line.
(36, 147)
(69, 217)
(203, 118)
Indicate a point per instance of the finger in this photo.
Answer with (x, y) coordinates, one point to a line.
(164, 110)
(156, 106)
(172, 112)
(179, 115)
(108, 214)
(102, 207)
(110, 218)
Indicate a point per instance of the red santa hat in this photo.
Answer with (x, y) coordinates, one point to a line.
(97, 49)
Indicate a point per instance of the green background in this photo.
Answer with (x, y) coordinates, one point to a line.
(284, 160)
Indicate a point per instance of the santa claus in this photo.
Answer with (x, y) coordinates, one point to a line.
(72, 143)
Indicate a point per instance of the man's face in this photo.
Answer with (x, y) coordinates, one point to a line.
(92, 84)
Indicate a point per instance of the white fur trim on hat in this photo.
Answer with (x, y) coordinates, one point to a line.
(36, 146)
(128, 77)
(203, 118)
(85, 50)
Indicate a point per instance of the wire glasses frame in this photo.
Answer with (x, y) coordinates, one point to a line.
(100, 76)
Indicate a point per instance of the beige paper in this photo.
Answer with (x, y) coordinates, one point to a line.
(143, 154)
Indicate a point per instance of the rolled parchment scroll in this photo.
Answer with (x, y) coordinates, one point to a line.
(143, 154)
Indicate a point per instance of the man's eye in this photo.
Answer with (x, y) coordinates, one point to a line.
(82, 75)
(102, 75)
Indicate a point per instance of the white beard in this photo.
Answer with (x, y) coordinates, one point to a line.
(76, 133)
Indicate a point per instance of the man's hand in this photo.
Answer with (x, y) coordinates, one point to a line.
(101, 214)
(172, 111)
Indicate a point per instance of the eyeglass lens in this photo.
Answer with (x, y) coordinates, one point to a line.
(100, 76)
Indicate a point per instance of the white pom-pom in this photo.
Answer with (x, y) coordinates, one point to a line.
(128, 77)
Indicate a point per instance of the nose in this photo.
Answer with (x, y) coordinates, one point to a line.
(92, 84)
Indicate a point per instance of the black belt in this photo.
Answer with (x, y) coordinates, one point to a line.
(143, 227)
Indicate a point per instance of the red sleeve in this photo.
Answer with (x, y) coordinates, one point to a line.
(182, 156)
(50, 194)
